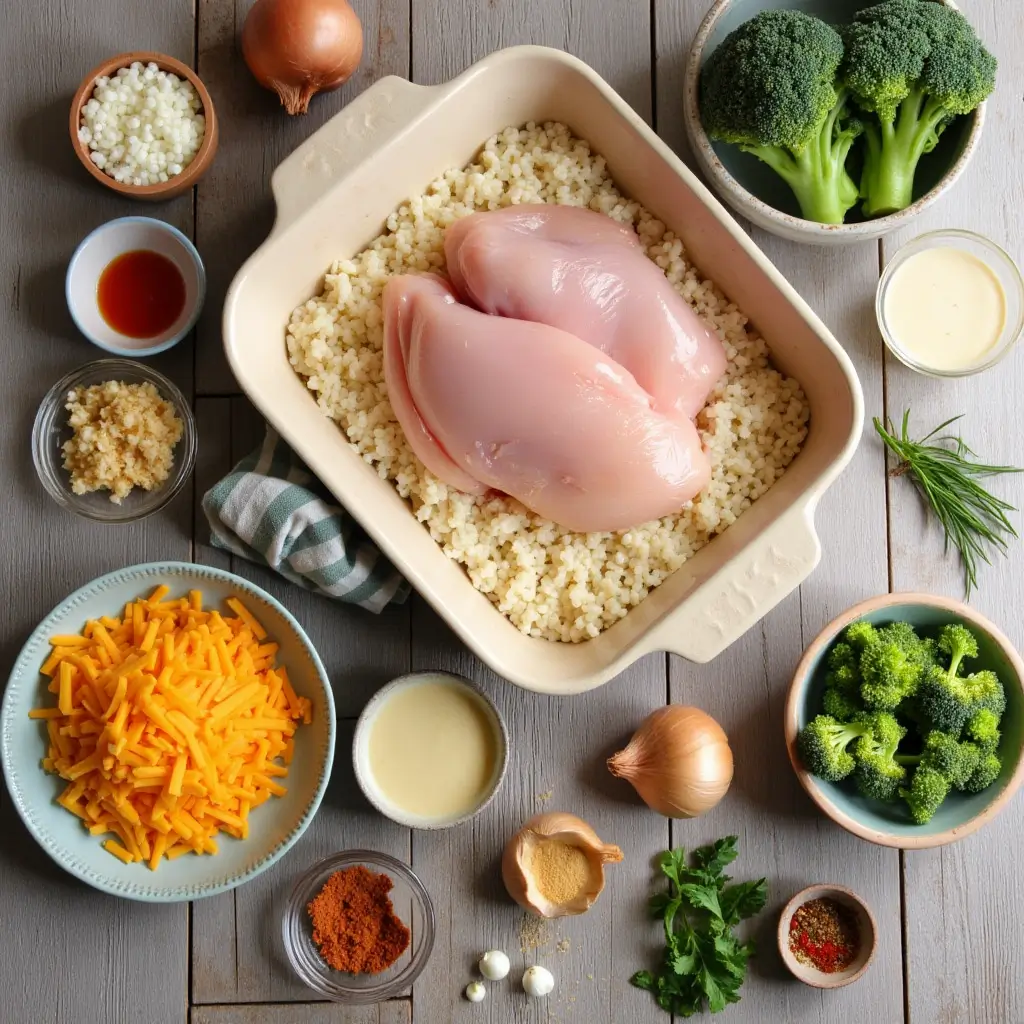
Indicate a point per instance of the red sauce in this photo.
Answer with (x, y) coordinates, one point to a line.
(141, 293)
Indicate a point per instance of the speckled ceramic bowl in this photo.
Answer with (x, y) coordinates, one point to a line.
(273, 828)
(888, 824)
(866, 928)
(755, 192)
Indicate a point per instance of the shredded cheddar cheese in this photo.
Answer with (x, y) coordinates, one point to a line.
(171, 724)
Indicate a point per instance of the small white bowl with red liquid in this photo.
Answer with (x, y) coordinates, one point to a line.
(135, 286)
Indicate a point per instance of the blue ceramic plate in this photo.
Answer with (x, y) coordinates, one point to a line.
(960, 813)
(273, 827)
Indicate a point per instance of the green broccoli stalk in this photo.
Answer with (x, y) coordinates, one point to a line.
(947, 699)
(915, 65)
(823, 746)
(770, 88)
(955, 761)
(877, 774)
(928, 788)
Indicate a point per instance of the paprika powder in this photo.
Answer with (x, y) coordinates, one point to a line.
(354, 922)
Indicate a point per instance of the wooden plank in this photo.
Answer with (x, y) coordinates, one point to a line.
(558, 747)
(612, 36)
(781, 835)
(235, 209)
(49, 204)
(394, 1012)
(962, 901)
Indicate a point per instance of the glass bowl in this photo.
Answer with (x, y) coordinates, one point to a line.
(412, 906)
(996, 260)
(50, 430)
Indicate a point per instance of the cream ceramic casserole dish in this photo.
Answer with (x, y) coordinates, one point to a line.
(333, 195)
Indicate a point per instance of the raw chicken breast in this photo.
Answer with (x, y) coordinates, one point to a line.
(581, 271)
(532, 411)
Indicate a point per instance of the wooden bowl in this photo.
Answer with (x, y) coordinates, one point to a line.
(866, 927)
(755, 192)
(960, 814)
(200, 162)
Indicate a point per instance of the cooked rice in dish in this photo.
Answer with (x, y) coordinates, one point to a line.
(550, 582)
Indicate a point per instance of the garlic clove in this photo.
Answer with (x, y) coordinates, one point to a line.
(528, 851)
(538, 981)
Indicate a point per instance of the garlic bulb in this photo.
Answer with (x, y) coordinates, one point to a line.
(679, 761)
(554, 865)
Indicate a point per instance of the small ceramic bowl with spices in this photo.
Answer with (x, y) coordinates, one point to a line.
(135, 286)
(950, 304)
(358, 927)
(90, 453)
(430, 750)
(827, 936)
(143, 125)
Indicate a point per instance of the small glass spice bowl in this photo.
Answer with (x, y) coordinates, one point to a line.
(997, 261)
(50, 430)
(412, 906)
(867, 932)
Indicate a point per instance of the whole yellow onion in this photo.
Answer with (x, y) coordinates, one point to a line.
(679, 761)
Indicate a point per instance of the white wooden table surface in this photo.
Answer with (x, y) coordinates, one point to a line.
(951, 920)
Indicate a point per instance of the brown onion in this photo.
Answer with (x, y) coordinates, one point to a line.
(679, 761)
(301, 47)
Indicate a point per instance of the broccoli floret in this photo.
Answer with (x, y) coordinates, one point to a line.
(823, 746)
(877, 774)
(840, 705)
(914, 65)
(928, 788)
(956, 761)
(892, 664)
(770, 88)
(860, 635)
(957, 642)
(982, 730)
(947, 699)
(844, 669)
(988, 770)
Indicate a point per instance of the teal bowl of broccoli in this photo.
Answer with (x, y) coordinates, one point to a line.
(905, 720)
(835, 121)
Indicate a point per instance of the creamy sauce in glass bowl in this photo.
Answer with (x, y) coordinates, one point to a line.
(950, 303)
(429, 750)
(946, 307)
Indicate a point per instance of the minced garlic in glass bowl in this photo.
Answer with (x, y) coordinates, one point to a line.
(142, 125)
(114, 441)
(124, 437)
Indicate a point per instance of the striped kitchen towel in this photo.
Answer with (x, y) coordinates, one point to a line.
(271, 510)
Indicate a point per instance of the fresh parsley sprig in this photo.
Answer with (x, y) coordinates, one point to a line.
(942, 467)
(703, 959)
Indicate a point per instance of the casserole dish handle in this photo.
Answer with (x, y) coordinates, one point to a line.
(368, 122)
(721, 611)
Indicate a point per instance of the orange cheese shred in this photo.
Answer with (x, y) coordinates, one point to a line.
(170, 724)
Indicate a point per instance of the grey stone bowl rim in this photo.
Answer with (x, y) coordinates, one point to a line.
(785, 224)
(362, 725)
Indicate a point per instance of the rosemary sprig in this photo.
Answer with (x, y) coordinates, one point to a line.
(941, 467)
